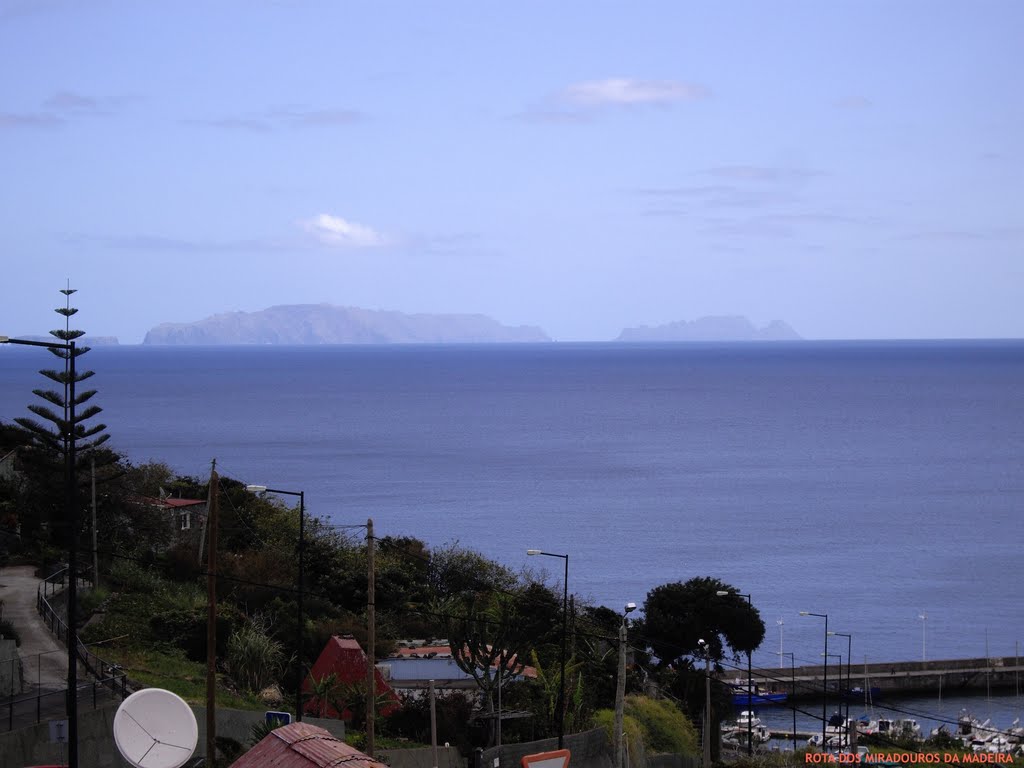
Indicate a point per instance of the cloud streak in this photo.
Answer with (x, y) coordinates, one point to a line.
(57, 110)
(337, 232)
(283, 117)
(624, 91)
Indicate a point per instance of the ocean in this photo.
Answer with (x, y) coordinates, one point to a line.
(873, 482)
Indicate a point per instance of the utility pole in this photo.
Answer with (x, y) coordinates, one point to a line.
(371, 643)
(707, 703)
(620, 691)
(211, 620)
(95, 556)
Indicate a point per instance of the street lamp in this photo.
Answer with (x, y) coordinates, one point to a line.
(834, 656)
(846, 693)
(792, 690)
(565, 613)
(71, 510)
(824, 684)
(750, 682)
(923, 616)
(302, 541)
(620, 689)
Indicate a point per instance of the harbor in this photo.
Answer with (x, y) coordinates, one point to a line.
(947, 677)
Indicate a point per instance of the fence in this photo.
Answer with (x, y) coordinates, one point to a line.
(48, 701)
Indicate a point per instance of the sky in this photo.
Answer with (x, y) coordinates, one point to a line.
(855, 169)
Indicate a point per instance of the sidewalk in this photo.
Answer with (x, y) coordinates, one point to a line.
(44, 657)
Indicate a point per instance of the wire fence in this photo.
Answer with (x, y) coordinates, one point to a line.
(31, 693)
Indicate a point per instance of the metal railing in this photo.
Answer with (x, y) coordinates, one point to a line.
(26, 707)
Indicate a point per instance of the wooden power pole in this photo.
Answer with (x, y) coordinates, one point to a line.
(211, 619)
(371, 642)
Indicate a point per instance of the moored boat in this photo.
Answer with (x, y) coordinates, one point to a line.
(758, 696)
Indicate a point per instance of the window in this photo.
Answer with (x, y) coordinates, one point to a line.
(186, 520)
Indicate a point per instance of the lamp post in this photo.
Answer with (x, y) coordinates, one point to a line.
(923, 616)
(302, 542)
(620, 690)
(71, 510)
(707, 703)
(824, 684)
(846, 693)
(750, 683)
(834, 656)
(792, 690)
(565, 614)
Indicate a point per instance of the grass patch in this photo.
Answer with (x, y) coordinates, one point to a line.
(173, 672)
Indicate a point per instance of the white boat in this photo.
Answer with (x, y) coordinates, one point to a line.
(837, 733)
(747, 723)
(895, 728)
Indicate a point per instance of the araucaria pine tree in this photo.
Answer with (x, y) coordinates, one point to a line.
(48, 440)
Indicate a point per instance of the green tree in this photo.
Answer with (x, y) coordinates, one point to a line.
(678, 615)
(493, 629)
(48, 439)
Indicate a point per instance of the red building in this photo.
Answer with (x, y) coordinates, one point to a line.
(344, 658)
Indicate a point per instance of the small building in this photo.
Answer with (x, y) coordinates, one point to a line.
(301, 745)
(415, 663)
(8, 465)
(344, 658)
(179, 520)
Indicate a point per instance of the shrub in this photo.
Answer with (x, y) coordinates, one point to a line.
(665, 727)
(255, 660)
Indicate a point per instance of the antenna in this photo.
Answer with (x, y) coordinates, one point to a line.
(154, 728)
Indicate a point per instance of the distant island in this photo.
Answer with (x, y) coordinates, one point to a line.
(724, 328)
(330, 324)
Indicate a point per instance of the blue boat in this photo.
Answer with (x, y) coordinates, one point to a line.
(757, 696)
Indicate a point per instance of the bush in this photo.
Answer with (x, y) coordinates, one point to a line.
(665, 728)
(255, 660)
(605, 718)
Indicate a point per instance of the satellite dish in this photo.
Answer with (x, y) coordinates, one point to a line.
(154, 728)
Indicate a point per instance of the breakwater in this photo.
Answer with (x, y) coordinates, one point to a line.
(895, 677)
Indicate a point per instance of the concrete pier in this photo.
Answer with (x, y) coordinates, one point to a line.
(895, 677)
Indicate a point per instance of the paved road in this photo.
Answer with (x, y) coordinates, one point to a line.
(44, 658)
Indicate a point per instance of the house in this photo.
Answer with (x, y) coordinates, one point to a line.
(301, 745)
(344, 658)
(181, 520)
(415, 663)
(8, 470)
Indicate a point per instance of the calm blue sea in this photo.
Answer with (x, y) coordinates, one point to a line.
(874, 482)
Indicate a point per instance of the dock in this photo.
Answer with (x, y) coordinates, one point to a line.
(896, 677)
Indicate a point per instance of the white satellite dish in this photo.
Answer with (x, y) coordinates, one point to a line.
(154, 728)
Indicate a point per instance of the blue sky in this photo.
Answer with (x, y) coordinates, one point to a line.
(853, 168)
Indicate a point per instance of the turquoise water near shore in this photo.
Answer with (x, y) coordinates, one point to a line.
(869, 481)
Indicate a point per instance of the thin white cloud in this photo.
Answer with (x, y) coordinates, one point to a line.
(70, 102)
(854, 102)
(57, 110)
(764, 173)
(629, 92)
(283, 117)
(340, 233)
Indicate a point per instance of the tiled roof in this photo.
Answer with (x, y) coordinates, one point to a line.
(301, 745)
(169, 502)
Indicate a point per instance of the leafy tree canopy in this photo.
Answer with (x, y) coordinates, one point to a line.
(679, 614)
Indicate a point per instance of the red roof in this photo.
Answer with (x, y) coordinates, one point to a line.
(168, 502)
(301, 745)
(344, 657)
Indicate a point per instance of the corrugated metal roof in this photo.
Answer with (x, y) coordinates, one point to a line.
(301, 745)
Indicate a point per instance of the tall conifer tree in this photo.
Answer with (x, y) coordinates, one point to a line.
(48, 441)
